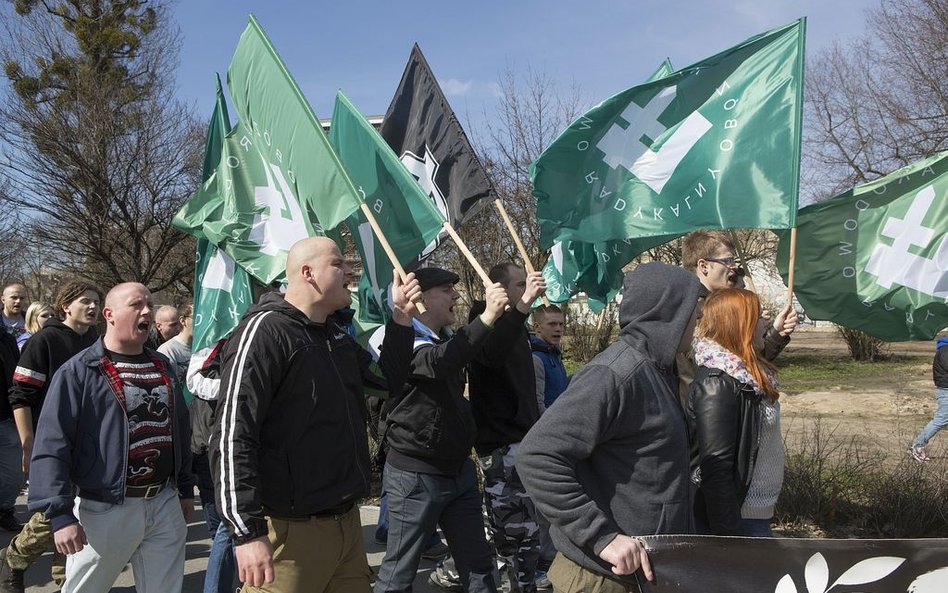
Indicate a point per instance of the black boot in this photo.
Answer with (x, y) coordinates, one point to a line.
(9, 523)
(11, 579)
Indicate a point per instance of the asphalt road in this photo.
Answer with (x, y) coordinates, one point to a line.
(38, 578)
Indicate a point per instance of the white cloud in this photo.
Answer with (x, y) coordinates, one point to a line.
(454, 87)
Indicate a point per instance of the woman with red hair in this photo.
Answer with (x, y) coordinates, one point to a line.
(737, 457)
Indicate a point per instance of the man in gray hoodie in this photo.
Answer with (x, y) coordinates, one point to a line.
(610, 460)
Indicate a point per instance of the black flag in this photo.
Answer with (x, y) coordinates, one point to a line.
(423, 131)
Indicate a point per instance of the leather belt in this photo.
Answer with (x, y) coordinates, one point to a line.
(145, 491)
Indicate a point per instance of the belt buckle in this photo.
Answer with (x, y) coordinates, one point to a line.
(153, 490)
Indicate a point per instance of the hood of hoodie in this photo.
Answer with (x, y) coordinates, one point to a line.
(54, 325)
(941, 342)
(274, 301)
(537, 343)
(657, 303)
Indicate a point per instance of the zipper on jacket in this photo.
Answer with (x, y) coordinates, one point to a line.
(355, 445)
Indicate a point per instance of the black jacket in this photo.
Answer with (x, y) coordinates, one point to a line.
(9, 355)
(290, 440)
(502, 383)
(940, 364)
(430, 428)
(45, 351)
(724, 419)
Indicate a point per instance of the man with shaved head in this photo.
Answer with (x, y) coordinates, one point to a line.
(14, 311)
(289, 451)
(167, 324)
(111, 461)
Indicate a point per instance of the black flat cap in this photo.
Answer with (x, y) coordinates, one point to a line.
(431, 277)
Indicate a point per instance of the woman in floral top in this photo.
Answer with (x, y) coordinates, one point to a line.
(734, 415)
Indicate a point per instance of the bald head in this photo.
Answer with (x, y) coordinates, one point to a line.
(317, 278)
(306, 251)
(167, 322)
(128, 317)
(119, 291)
(14, 299)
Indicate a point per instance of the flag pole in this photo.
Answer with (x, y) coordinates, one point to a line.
(516, 237)
(740, 255)
(388, 248)
(793, 257)
(467, 254)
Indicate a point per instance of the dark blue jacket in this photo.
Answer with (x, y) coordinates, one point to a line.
(940, 366)
(555, 379)
(82, 439)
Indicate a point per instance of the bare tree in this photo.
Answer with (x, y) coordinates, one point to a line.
(97, 149)
(531, 114)
(878, 104)
(881, 102)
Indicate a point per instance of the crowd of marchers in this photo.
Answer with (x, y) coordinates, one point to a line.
(673, 429)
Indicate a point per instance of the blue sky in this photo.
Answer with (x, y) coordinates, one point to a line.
(600, 46)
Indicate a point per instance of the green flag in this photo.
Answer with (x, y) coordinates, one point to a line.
(875, 258)
(596, 268)
(281, 125)
(593, 268)
(222, 289)
(714, 145)
(248, 208)
(403, 210)
(277, 177)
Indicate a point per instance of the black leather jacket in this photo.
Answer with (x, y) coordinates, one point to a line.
(724, 420)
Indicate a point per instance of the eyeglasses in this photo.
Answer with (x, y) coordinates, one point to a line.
(730, 262)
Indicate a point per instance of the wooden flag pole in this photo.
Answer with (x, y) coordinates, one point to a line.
(388, 249)
(793, 258)
(602, 318)
(740, 255)
(516, 237)
(467, 254)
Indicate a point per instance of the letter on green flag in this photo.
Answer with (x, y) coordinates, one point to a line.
(222, 289)
(407, 216)
(715, 145)
(280, 123)
(875, 258)
(596, 268)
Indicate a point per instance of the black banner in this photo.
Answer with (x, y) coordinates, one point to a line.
(423, 130)
(707, 564)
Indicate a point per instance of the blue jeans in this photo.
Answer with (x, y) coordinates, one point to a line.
(381, 528)
(938, 422)
(221, 563)
(756, 528)
(747, 528)
(417, 503)
(11, 464)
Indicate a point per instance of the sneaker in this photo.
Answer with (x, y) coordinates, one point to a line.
(919, 454)
(9, 523)
(542, 580)
(11, 579)
(436, 551)
(445, 576)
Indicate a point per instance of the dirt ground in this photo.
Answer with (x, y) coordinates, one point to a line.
(879, 410)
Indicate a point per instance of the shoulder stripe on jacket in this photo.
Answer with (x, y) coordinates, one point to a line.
(29, 376)
(228, 485)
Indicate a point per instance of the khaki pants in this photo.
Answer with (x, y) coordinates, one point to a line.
(31, 543)
(317, 555)
(569, 577)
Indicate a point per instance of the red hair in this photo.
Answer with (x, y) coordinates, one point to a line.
(730, 318)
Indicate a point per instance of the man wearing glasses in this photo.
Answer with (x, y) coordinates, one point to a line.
(712, 257)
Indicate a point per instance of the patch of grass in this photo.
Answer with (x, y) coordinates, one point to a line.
(810, 371)
(843, 488)
(572, 365)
